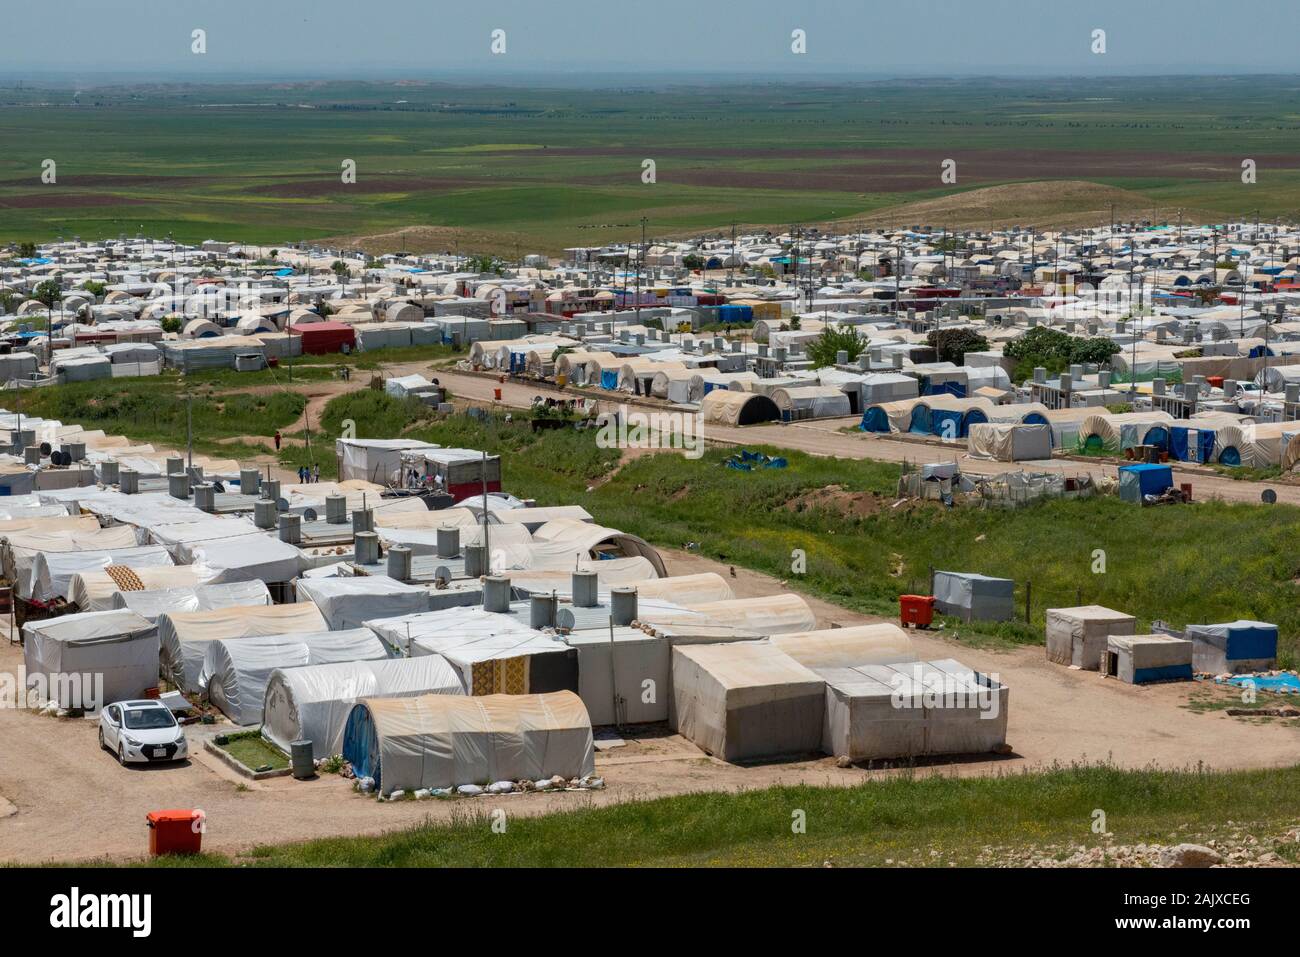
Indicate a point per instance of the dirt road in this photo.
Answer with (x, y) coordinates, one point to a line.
(61, 798)
(824, 437)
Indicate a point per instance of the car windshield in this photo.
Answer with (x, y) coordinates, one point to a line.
(144, 719)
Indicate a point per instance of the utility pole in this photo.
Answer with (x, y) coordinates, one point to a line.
(189, 428)
(639, 264)
(731, 271)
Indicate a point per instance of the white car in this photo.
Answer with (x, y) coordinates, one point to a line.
(141, 731)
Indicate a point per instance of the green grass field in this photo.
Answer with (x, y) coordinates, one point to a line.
(918, 820)
(503, 169)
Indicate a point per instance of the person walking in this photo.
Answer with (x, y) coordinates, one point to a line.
(277, 440)
(315, 477)
(302, 475)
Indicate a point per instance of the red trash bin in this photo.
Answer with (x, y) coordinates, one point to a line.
(175, 831)
(916, 610)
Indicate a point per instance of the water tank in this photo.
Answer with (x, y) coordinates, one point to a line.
(270, 489)
(291, 529)
(175, 464)
(264, 513)
(496, 593)
(623, 606)
(109, 472)
(541, 611)
(178, 485)
(300, 760)
(32, 455)
(399, 563)
(366, 547)
(128, 481)
(336, 509)
(249, 481)
(448, 541)
(585, 590)
(205, 497)
(363, 520)
(475, 560)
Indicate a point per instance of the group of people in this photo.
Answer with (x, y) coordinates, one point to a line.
(308, 474)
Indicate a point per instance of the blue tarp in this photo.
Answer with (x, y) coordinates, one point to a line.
(875, 420)
(1201, 451)
(609, 378)
(1151, 479)
(1166, 673)
(1275, 683)
(1240, 640)
(358, 734)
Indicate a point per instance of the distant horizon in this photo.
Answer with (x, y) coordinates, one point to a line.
(604, 78)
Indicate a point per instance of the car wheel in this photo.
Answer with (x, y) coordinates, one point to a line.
(121, 755)
(102, 745)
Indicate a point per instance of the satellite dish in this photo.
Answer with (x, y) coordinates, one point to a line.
(309, 514)
(56, 458)
(218, 487)
(1268, 496)
(282, 505)
(564, 619)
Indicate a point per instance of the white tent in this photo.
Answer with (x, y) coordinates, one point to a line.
(68, 657)
(493, 653)
(52, 572)
(21, 548)
(908, 710)
(444, 740)
(152, 603)
(312, 703)
(347, 602)
(96, 590)
(235, 673)
(1077, 636)
(256, 557)
(1008, 442)
(746, 700)
(184, 636)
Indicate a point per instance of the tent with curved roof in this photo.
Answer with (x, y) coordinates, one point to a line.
(581, 367)
(768, 615)
(184, 636)
(811, 402)
(878, 644)
(687, 589)
(442, 741)
(312, 702)
(1113, 433)
(156, 602)
(1253, 445)
(347, 602)
(96, 589)
(597, 541)
(734, 408)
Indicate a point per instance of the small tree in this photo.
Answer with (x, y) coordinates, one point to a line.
(951, 345)
(824, 350)
(27, 250)
(48, 293)
(171, 324)
(94, 288)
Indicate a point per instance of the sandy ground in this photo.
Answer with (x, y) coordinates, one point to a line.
(61, 798)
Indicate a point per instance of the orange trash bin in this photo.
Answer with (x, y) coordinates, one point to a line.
(175, 831)
(916, 610)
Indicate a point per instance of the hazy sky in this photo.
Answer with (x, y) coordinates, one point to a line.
(348, 38)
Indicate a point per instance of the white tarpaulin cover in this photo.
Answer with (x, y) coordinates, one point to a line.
(618, 665)
(906, 710)
(184, 636)
(96, 590)
(52, 571)
(973, 597)
(439, 741)
(312, 703)
(767, 615)
(248, 558)
(1009, 442)
(21, 548)
(160, 601)
(881, 644)
(492, 653)
(235, 673)
(119, 645)
(347, 602)
(746, 700)
(1077, 636)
